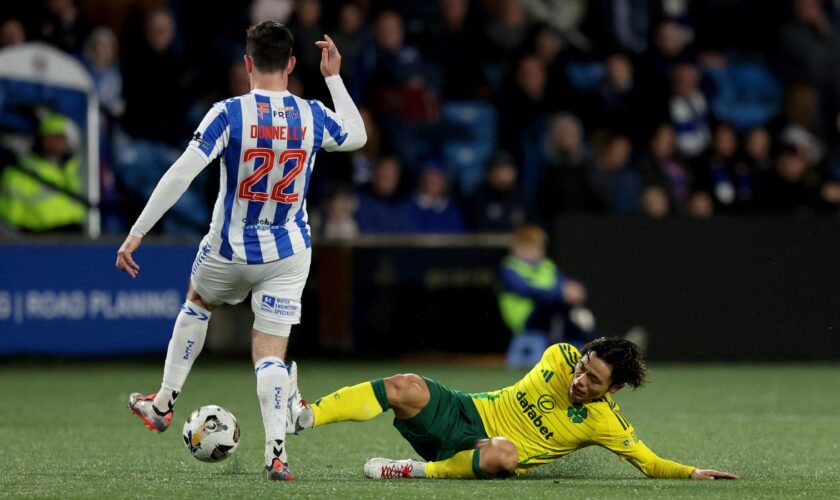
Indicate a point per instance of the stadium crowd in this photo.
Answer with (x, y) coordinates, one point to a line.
(481, 114)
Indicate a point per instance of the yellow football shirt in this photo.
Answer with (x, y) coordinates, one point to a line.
(540, 418)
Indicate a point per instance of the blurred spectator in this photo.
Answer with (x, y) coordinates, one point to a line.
(43, 192)
(620, 105)
(238, 81)
(614, 180)
(622, 25)
(727, 177)
(757, 150)
(100, 58)
(381, 208)
(505, 34)
(351, 37)
(339, 223)
(63, 26)
(564, 16)
(363, 159)
(689, 112)
(154, 92)
(522, 119)
(810, 61)
(654, 202)
(535, 296)
(12, 32)
(306, 29)
(792, 187)
(671, 46)
(564, 185)
(550, 49)
(456, 51)
(498, 205)
(272, 10)
(661, 169)
(431, 210)
(394, 80)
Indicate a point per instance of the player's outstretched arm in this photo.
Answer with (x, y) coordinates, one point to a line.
(171, 186)
(711, 474)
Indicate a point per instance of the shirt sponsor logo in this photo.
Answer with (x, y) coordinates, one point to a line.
(279, 306)
(530, 411)
(546, 403)
(287, 112)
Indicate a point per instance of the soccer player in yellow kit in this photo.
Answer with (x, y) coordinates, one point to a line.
(562, 405)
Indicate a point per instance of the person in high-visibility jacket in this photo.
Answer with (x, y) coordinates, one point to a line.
(35, 195)
(536, 300)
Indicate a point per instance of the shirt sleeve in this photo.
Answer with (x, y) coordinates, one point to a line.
(514, 283)
(620, 438)
(211, 137)
(171, 186)
(344, 129)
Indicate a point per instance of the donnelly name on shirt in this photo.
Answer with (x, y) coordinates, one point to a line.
(280, 132)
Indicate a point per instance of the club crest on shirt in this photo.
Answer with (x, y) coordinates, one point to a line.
(577, 413)
(262, 109)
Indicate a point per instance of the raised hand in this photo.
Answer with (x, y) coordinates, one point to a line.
(330, 57)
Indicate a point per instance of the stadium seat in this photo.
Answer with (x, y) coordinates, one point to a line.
(469, 142)
(585, 76)
(138, 166)
(747, 94)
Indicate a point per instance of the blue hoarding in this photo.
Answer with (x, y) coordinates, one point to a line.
(70, 300)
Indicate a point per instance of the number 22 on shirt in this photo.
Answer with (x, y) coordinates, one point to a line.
(268, 156)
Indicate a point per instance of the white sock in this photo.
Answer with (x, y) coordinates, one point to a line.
(184, 346)
(273, 390)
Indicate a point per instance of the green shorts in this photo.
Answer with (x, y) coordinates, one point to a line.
(448, 424)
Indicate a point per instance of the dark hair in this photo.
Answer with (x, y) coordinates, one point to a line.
(628, 366)
(270, 45)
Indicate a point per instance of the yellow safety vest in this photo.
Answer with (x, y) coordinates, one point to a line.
(516, 309)
(28, 203)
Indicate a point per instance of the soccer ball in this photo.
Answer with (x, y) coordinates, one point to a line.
(211, 433)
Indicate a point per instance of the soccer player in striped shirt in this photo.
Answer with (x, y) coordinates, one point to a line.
(562, 405)
(259, 237)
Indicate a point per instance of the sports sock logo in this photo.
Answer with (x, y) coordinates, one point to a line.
(188, 349)
(278, 398)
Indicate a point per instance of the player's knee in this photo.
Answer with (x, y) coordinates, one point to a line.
(405, 390)
(196, 299)
(499, 457)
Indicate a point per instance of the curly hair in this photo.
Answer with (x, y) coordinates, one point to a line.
(628, 365)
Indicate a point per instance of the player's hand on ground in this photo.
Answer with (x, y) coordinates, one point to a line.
(330, 57)
(711, 474)
(124, 260)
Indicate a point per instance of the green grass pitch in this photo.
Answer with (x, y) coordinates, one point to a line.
(65, 432)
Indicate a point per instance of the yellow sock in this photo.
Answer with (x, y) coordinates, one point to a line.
(357, 403)
(462, 465)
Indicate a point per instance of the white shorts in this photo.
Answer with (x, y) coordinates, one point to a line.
(275, 287)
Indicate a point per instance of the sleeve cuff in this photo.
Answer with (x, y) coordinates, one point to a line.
(332, 78)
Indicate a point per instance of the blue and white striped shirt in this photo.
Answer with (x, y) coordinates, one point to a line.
(267, 142)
